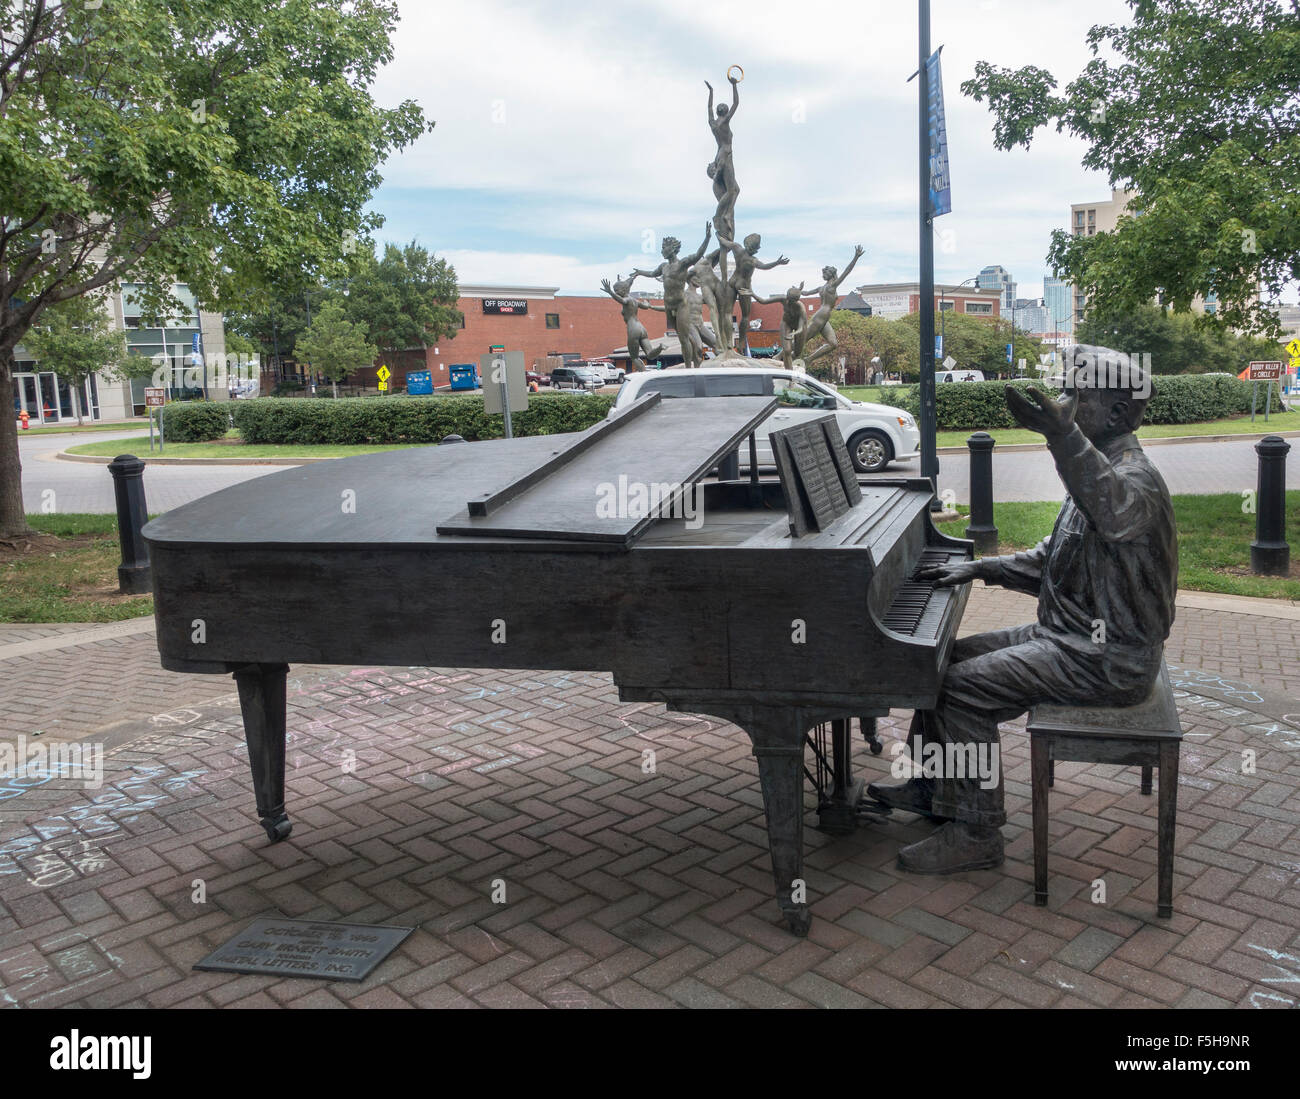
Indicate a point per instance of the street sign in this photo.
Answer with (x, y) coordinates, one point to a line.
(154, 398)
(505, 388)
(1264, 371)
(383, 386)
(383, 374)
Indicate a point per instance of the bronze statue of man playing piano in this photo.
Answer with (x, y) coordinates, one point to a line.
(1105, 580)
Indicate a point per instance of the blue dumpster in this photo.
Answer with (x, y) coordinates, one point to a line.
(464, 375)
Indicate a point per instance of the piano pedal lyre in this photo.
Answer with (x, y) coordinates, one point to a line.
(840, 805)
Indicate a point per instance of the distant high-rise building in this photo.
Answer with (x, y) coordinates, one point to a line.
(996, 277)
(1058, 301)
(1032, 316)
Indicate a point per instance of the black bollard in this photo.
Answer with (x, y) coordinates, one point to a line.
(1269, 553)
(981, 529)
(133, 576)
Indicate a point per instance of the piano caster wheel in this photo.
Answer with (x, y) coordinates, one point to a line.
(278, 829)
(876, 746)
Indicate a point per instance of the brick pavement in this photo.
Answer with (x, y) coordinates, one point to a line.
(414, 790)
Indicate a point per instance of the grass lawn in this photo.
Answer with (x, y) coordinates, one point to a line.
(89, 425)
(1214, 537)
(229, 447)
(73, 579)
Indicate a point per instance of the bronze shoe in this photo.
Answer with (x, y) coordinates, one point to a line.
(952, 848)
(914, 796)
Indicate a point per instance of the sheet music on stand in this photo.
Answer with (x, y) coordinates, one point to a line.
(816, 473)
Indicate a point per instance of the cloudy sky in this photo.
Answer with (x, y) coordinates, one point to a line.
(571, 135)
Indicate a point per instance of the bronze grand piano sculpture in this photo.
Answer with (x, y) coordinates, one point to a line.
(792, 604)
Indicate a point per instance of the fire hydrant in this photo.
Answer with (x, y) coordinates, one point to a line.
(24, 418)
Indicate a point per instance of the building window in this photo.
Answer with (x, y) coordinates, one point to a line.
(979, 307)
(946, 306)
(462, 320)
(1078, 217)
(552, 320)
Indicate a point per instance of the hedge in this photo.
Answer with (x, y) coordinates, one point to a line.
(196, 421)
(1177, 399)
(361, 420)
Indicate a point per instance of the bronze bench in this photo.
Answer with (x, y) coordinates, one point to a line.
(1148, 735)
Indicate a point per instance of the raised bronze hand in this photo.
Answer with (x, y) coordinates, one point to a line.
(1046, 415)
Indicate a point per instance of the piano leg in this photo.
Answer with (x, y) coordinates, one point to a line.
(262, 700)
(778, 738)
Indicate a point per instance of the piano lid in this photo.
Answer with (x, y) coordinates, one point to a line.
(617, 478)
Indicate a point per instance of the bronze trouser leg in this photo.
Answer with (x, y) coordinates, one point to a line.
(262, 700)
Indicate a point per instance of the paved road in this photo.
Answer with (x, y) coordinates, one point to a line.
(83, 487)
(1226, 466)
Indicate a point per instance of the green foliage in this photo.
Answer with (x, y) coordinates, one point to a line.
(1199, 114)
(1178, 343)
(195, 421)
(1184, 399)
(861, 339)
(333, 345)
(407, 299)
(225, 144)
(408, 419)
(975, 343)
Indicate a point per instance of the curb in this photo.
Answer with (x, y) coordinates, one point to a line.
(64, 456)
(1005, 448)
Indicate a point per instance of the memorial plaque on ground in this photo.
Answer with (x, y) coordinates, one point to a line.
(280, 947)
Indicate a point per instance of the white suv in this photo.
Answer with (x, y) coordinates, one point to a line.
(876, 434)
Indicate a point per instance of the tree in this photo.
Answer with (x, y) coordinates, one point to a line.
(1200, 117)
(975, 343)
(77, 339)
(334, 346)
(1178, 343)
(862, 339)
(407, 299)
(226, 144)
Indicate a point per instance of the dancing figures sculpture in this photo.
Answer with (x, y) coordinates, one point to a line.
(673, 272)
(639, 347)
(794, 323)
(819, 324)
(741, 283)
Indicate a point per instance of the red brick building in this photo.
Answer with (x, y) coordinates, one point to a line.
(540, 322)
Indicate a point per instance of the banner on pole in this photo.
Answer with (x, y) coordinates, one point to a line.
(940, 182)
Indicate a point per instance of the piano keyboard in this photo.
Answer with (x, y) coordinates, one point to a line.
(917, 609)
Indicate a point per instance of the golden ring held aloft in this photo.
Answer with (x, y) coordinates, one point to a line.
(736, 68)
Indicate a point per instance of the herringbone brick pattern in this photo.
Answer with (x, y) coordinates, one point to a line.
(629, 878)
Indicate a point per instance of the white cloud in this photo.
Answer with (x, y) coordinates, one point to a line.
(588, 121)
